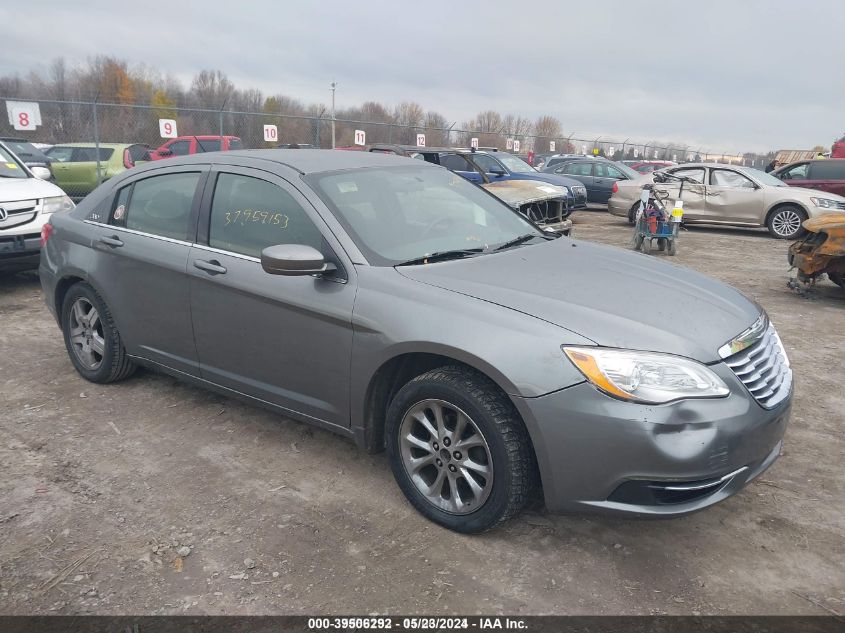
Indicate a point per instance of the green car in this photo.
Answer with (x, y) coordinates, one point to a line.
(75, 164)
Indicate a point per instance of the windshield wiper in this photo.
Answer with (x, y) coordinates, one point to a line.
(517, 240)
(442, 256)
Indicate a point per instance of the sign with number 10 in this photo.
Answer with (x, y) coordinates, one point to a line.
(271, 133)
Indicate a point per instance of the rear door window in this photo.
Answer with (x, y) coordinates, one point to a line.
(693, 173)
(827, 170)
(60, 154)
(608, 171)
(579, 169)
(249, 214)
(208, 145)
(160, 205)
(89, 154)
(454, 162)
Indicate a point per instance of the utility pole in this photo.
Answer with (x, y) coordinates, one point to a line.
(334, 85)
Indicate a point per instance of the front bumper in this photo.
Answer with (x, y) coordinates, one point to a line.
(601, 454)
(19, 252)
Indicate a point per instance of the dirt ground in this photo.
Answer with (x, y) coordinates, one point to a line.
(101, 486)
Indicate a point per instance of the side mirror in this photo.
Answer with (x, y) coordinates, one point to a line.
(498, 173)
(294, 260)
(42, 173)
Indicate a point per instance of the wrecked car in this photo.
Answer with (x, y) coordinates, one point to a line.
(539, 202)
(821, 251)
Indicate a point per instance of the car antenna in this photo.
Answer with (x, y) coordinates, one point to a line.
(199, 143)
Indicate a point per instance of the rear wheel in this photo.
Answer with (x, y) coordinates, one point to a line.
(646, 246)
(632, 214)
(92, 341)
(838, 279)
(785, 222)
(672, 248)
(458, 450)
(661, 244)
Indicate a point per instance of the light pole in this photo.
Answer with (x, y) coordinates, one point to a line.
(334, 85)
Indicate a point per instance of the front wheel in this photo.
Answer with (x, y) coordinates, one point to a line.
(838, 279)
(459, 450)
(785, 222)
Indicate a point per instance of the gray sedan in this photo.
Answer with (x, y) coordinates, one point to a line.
(397, 304)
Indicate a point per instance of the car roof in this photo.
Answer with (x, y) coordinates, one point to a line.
(103, 145)
(305, 161)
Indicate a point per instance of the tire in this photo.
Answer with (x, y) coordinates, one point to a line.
(646, 246)
(92, 341)
(497, 453)
(632, 214)
(638, 241)
(838, 279)
(672, 248)
(661, 244)
(785, 222)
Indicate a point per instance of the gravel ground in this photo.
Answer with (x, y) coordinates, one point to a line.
(152, 497)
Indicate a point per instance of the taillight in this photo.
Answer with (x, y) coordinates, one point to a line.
(127, 159)
(615, 188)
(46, 232)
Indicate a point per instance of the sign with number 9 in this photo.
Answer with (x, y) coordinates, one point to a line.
(167, 128)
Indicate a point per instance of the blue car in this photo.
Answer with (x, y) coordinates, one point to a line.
(489, 166)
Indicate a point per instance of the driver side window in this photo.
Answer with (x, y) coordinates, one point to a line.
(799, 172)
(160, 205)
(728, 178)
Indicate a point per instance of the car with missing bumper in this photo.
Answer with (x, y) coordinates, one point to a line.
(399, 305)
(731, 196)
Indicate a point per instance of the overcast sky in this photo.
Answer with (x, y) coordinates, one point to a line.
(719, 74)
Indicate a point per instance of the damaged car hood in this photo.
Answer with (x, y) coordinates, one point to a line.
(515, 193)
(613, 297)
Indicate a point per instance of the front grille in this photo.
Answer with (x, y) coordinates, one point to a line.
(764, 369)
(840, 205)
(17, 213)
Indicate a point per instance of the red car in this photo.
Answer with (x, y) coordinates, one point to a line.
(838, 149)
(825, 175)
(183, 145)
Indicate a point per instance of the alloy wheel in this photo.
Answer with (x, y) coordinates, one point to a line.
(86, 334)
(446, 456)
(786, 223)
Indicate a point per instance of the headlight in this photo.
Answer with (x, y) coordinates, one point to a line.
(646, 377)
(825, 203)
(57, 204)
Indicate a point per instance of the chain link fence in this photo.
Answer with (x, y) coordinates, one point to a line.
(103, 124)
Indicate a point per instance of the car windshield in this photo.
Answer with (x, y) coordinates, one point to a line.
(23, 149)
(9, 165)
(515, 164)
(399, 214)
(764, 178)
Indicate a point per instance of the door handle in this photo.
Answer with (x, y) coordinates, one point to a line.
(114, 241)
(212, 266)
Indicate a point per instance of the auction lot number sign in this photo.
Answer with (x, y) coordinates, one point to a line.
(167, 128)
(23, 115)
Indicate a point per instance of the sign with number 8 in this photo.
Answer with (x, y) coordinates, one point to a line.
(23, 119)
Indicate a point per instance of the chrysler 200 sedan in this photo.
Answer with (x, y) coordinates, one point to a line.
(394, 302)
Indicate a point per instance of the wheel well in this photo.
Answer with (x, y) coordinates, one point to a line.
(61, 290)
(390, 378)
(780, 205)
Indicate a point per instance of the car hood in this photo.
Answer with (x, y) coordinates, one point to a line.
(552, 179)
(13, 189)
(811, 193)
(612, 297)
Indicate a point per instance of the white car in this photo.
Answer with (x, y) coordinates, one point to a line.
(26, 203)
